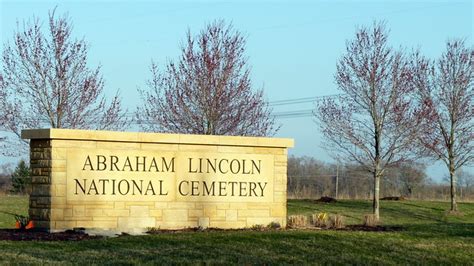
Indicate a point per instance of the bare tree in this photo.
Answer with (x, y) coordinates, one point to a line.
(408, 177)
(47, 83)
(445, 87)
(207, 91)
(372, 123)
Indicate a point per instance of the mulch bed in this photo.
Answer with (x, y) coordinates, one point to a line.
(32, 235)
(70, 235)
(377, 228)
(354, 227)
(210, 229)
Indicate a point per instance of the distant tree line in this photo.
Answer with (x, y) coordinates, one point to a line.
(311, 178)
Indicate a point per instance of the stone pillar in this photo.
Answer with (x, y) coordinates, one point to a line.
(40, 197)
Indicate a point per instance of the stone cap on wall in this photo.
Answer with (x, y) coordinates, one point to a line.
(117, 136)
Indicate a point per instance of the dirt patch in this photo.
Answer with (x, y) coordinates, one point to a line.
(393, 198)
(322, 200)
(33, 235)
(326, 200)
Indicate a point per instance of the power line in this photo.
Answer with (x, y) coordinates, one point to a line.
(297, 113)
(303, 100)
(284, 114)
(278, 115)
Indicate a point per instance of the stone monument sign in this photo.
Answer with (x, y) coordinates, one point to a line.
(129, 182)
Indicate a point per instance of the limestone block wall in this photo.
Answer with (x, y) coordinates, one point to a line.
(129, 182)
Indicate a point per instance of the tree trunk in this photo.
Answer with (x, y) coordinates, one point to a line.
(377, 174)
(452, 175)
(337, 181)
(376, 204)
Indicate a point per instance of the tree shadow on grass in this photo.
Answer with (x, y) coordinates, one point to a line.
(466, 212)
(420, 214)
(439, 230)
(346, 204)
(422, 206)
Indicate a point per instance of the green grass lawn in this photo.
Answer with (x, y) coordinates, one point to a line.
(428, 236)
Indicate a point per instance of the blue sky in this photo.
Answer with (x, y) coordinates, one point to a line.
(293, 46)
